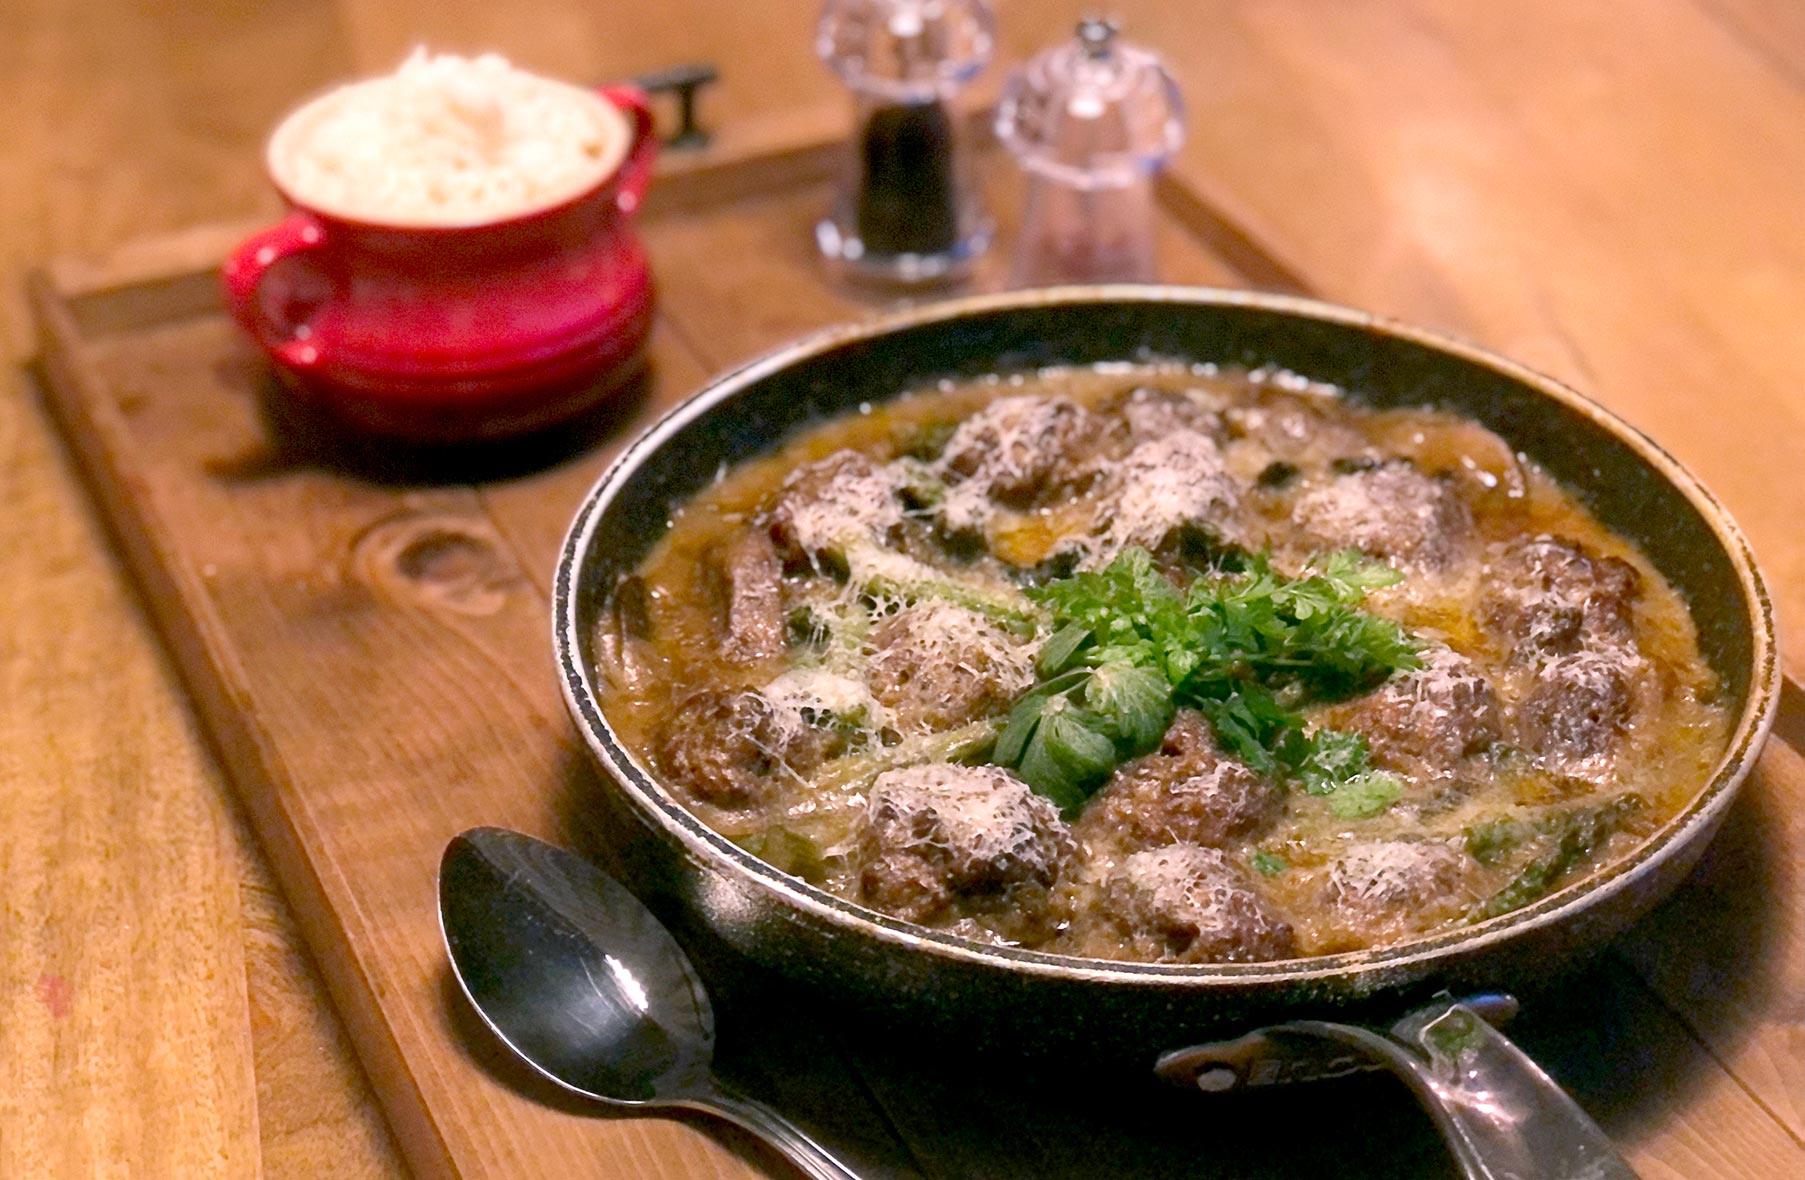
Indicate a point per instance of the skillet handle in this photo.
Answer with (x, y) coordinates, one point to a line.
(1500, 1114)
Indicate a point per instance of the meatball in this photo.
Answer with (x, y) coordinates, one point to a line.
(1166, 485)
(727, 747)
(1285, 427)
(1381, 890)
(1430, 718)
(935, 666)
(1574, 713)
(1156, 413)
(1014, 452)
(1185, 904)
(1186, 792)
(940, 839)
(827, 504)
(1550, 596)
(1391, 511)
(748, 584)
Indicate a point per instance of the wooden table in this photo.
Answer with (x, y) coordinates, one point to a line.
(1609, 192)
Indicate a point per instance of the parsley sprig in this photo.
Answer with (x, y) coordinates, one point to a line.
(1249, 649)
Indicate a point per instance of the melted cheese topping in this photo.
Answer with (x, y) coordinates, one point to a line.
(1006, 444)
(804, 697)
(1393, 873)
(1172, 481)
(978, 813)
(856, 505)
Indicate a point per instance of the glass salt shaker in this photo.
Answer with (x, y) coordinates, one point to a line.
(1091, 122)
(906, 212)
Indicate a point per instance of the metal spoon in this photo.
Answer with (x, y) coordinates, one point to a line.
(587, 987)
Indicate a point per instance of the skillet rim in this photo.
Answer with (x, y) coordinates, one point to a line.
(1405, 961)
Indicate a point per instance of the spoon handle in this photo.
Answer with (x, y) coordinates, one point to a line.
(814, 1160)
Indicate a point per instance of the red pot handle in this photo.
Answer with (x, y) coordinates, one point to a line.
(243, 275)
(636, 170)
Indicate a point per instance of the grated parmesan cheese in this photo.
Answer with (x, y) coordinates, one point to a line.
(805, 697)
(1572, 715)
(937, 665)
(1393, 874)
(1550, 594)
(1183, 881)
(967, 815)
(1447, 687)
(969, 642)
(1188, 903)
(1592, 670)
(1537, 583)
(1393, 512)
(1155, 413)
(857, 502)
(1003, 450)
(1172, 481)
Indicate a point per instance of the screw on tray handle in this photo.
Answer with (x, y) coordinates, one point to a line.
(684, 82)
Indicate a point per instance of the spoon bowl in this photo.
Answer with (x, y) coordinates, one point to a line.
(585, 985)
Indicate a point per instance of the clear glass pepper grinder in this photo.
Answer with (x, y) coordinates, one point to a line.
(1091, 122)
(906, 212)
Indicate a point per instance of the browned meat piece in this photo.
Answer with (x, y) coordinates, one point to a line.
(1287, 427)
(1186, 792)
(1185, 904)
(1574, 712)
(1015, 452)
(1386, 889)
(729, 747)
(1155, 413)
(1550, 596)
(935, 666)
(825, 504)
(1427, 719)
(1165, 485)
(943, 841)
(748, 584)
(1391, 511)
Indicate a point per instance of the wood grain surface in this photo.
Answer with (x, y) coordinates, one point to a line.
(1608, 191)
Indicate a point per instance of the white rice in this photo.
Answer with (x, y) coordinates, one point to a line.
(447, 140)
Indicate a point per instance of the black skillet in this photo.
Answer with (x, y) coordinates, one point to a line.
(1497, 1109)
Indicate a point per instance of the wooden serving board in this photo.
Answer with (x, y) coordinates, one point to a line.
(365, 634)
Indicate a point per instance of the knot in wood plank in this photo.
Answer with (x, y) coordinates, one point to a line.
(438, 560)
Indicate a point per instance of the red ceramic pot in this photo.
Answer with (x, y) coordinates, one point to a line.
(453, 333)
